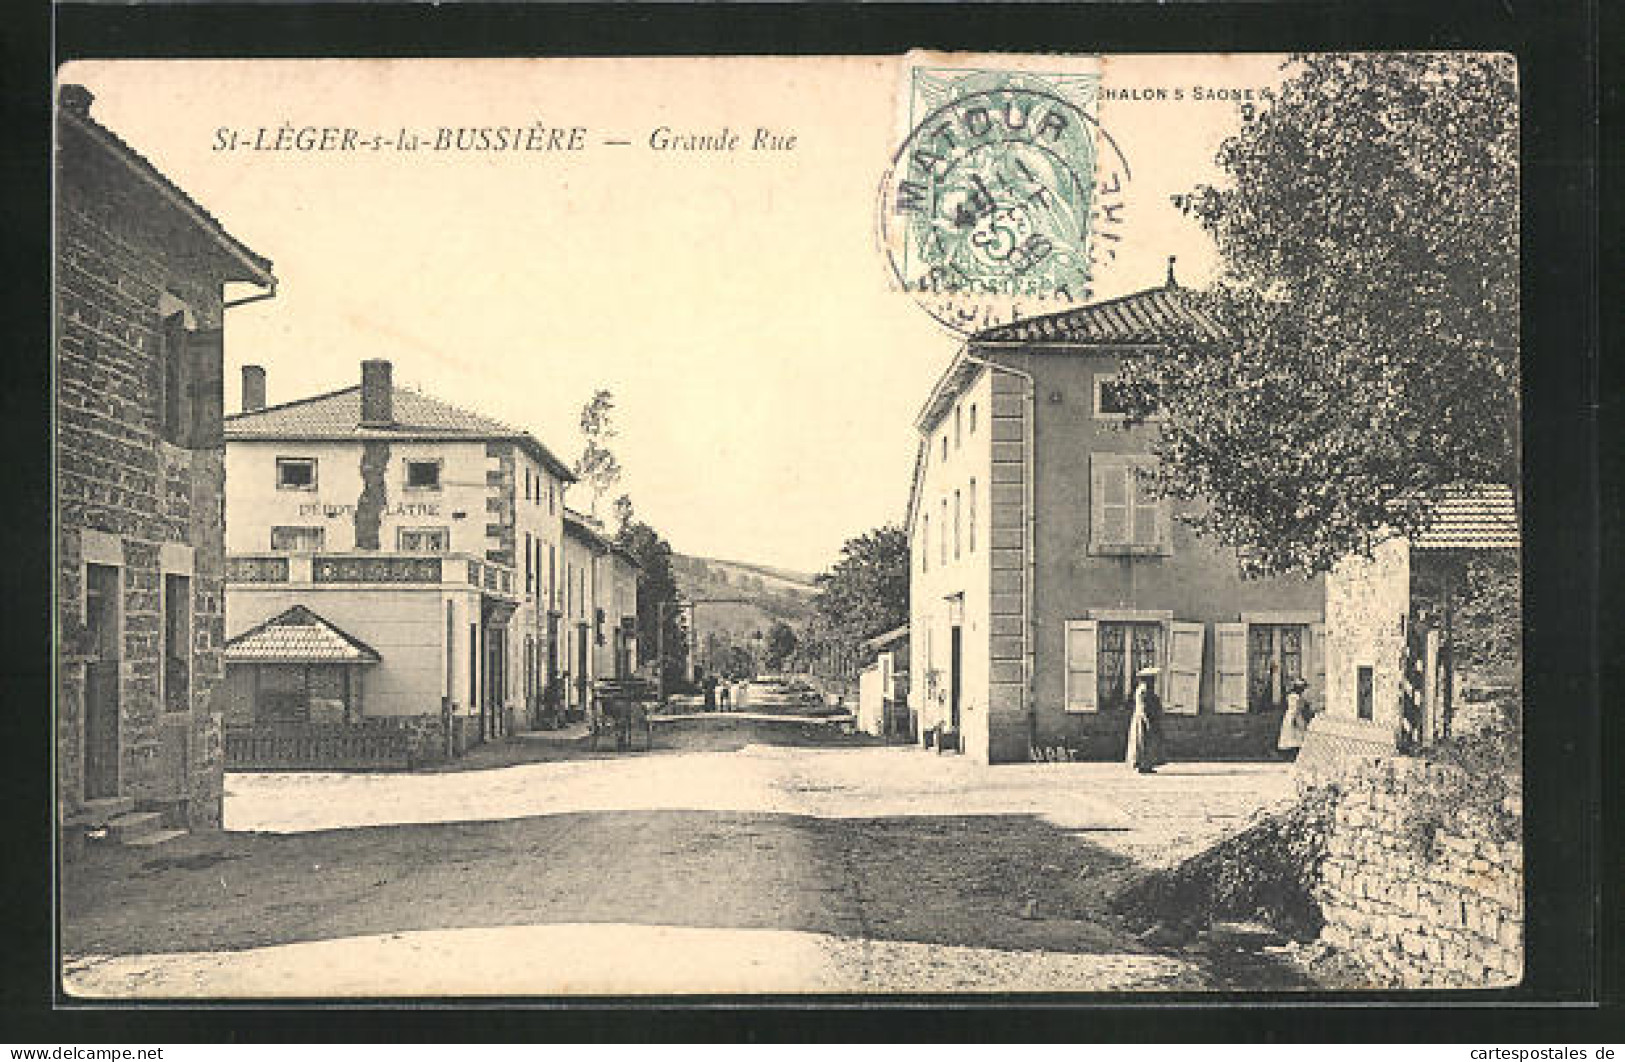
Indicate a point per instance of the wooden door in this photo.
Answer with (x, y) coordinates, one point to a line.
(955, 660)
(102, 682)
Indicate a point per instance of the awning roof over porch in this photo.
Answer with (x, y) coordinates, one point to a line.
(298, 636)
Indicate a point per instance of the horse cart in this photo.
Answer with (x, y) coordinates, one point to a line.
(620, 714)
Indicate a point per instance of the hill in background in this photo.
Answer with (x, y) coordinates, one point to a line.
(759, 593)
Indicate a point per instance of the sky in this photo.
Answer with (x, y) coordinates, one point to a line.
(737, 305)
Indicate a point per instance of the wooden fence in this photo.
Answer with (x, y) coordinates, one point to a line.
(306, 745)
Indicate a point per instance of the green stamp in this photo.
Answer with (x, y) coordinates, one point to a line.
(1007, 193)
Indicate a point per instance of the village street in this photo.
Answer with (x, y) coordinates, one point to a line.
(731, 865)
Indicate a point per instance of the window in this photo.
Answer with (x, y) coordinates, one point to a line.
(423, 475)
(1275, 657)
(422, 539)
(973, 418)
(956, 525)
(174, 375)
(1110, 399)
(1126, 517)
(298, 539)
(1125, 648)
(530, 578)
(1363, 695)
(957, 439)
(942, 535)
(552, 575)
(945, 446)
(177, 643)
(925, 543)
(296, 473)
(972, 514)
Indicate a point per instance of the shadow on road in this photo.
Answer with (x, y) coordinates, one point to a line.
(1002, 881)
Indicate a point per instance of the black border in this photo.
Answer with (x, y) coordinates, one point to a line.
(1556, 45)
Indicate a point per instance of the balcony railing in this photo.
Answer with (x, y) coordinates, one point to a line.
(371, 569)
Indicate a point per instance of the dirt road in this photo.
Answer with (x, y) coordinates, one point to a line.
(764, 869)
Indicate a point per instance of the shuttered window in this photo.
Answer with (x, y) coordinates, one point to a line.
(1125, 517)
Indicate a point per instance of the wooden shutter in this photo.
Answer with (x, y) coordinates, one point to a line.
(1146, 511)
(205, 389)
(1230, 692)
(1082, 644)
(1111, 504)
(1184, 686)
(1315, 666)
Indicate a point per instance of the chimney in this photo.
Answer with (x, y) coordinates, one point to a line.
(1172, 283)
(377, 394)
(76, 98)
(253, 388)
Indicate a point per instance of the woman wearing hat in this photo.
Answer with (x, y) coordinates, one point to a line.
(1295, 723)
(1145, 729)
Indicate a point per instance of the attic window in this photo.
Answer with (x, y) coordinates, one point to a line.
(423, 475)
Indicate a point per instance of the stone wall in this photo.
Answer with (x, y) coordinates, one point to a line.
(125, 497)
(1445, 912)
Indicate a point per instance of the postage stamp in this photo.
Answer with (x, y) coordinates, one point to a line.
(1003, 198)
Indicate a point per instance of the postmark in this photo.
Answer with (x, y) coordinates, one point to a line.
(1004, 199)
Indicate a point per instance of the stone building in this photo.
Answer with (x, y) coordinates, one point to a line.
(140, 309)
(429, 534)
(1044, 575)
(1423, 636)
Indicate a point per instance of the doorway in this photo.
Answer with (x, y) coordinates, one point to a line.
(955, 659)
(102, 681)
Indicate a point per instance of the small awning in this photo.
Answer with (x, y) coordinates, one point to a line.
(298, 636)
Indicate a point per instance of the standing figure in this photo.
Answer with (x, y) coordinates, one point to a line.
(709, 685)
(1295, 723)
(724, 697)
(1145, 729)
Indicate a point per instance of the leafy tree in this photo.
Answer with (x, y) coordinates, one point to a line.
(598, 467)
(864, 594)
(1368, 301)
(781, 645)
(660, 622)
(624, 513)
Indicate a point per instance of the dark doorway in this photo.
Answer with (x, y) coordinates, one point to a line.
(955, 658)
(582, 680)
(102, 681)
(494, 695)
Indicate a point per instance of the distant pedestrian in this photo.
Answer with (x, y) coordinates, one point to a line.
(1295, 723)
(709, 684)
(1145, 729)
(725, 698)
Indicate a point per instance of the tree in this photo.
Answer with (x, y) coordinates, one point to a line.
(1368, 305)
(661, 624)
(624, 513)
(864, 594)
(781, 645)
(598, 467)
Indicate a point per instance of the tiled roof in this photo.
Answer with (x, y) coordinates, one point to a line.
(1154, 315)
(74, 113)
(337, 415)
(298, 636)
(1481, 517)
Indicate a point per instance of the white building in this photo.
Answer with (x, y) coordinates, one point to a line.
(430, 534)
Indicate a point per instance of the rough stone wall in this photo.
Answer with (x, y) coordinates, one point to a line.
(1367, 609)
(116, 475)
(1445, 915)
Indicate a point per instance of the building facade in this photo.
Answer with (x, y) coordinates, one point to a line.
(1424, 635)
(600, 608)
(139, 316)
(1044, 574)
(428, 533)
